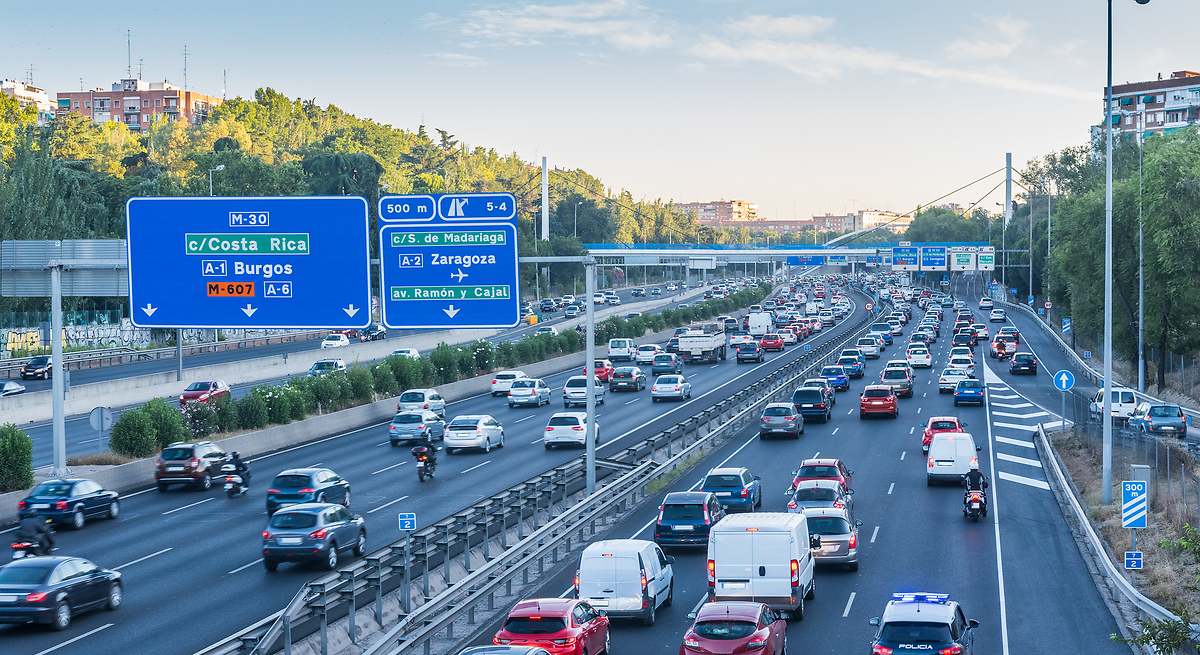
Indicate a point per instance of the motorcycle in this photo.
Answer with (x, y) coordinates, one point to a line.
(22, 549)
(234, 484)
(426, 463)
(973, 505)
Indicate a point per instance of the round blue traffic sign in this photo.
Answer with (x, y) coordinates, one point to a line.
(1064, 380)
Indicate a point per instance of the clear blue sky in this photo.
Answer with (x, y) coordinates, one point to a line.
(799, 105)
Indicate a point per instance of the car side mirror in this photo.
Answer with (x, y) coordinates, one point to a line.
(978, 449)
(814, 541)
(972, 624)
(670, 559)
(756, 478)
(858, 524)
(874, 621)
(849, 492)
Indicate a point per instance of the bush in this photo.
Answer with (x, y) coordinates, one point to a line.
(524, 352)
(506, 355)
(444, 363)
(252, 412)
(167, 420)
(485, 355)
(300, 401)
(227, 417)
(326, 393)
(383, 380)
(16, 459)
(279, 405)
(133, 434)
(464, 362)
(362, 384)
(201, 419)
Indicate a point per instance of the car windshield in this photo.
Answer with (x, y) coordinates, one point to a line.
(52, 489)
(293, 520)
(833, 370)
(176, 454)
(722, 481)
(691, 512)
(669, 379)
(39, 361)
(777, 411)
(866, 341)
(412, 397)
(815, 493)
(523, 384)
(725, 629)
(970, 384)
(198, 386)
(403, 419)
(464, 422)
(912, 632)
(943, 425)
(895, 374)
(817, 471)
(663, 359)
(807, 396)
(1024, 359)
(321, 366)
(576, 383)
(24, 574)
(877, 393)
(563, 420)
(847, 361)
(880, 327)
(1166, 410)
(828, 525)
(647, 349)
(292, 481)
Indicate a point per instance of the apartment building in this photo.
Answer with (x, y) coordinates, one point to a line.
(1156, 106)
(721, 212)
(136, 102)
(28, 95)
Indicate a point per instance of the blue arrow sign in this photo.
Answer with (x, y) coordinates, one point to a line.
(1134, 504)
(1134, 560)
(1066, 325)
(1064, 380)
(249, 262)
(407, 520)
(906, 258)
(806, 260)
(933, 258)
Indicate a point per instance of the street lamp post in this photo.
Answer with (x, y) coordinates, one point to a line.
(218, 167)
(1141, 264)
(575, 230)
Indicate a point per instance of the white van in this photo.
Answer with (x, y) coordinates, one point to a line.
(626, 578)
(811, 308)
(763, 557)
(622, 350)
(950, 457)
(759, 323)
(1123, 403)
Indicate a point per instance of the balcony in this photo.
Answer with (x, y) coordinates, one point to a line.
(1183, 102)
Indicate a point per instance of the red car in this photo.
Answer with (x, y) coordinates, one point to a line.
(603, 369)
(878, 399)
(801, 330)
(204, 392)
(824, 468)
(735, 627)
(771, 341)
(561, 626)
(938, 424)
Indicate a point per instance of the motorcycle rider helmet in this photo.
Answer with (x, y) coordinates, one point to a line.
(235, 455)
(974, 466)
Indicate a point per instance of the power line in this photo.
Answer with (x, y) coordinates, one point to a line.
(942, 197)
(635, 210)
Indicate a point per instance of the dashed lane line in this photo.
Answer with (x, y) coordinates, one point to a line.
(1020, 479)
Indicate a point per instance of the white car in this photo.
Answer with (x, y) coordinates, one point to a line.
(965, 363)
(575, 391)
(962, 351)
(1123, 403)
(335, 341)
(410, 353)
(981, 331)
(920, 358)
(415, 400)
(612, 299)
(10, 388)
(986, 303)
(950, 378)
(901, 364)
(998, 316)
(869, 347)
(503, 380)
(670, 386)
(789, 337)
(646, 353)
(598, 299)
(546, 329)
(672, 287)
(567, 429)
(473, 431)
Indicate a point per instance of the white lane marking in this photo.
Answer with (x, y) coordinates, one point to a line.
(851, 411)
(475, 467)
(1005, 396)
(537, 441)
(919, 409)
(244, 567)
(1012, 405)
(849, 602)
(996, 521)
(1018, 460)
(630, 402)
(388, 468)
(1015, 415)
(382, 443)
(924, 394)
(874, 533)
(912, 429)
(902, 454)
(523, 419)
(390, 502)
(1020, 479)
(75, 639)
(816, 454)
(1015, 442)
(1015, 426)
(714, 366)
(835, 431)
(696, 607)
(890, 488)
(998, 387)
(142, 559)
(198, 502)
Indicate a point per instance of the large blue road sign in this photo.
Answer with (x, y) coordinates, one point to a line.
(455, 268)
(806, 260)
(249, 262)
(906, 258)
(1135, 503)
(1064, 380)
(933, 258)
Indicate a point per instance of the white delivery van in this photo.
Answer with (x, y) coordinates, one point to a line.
(626, 578)
(759, 323)
(950, 457)
(763, 557)
(811, 308)
(621, 350)
(1123, 403)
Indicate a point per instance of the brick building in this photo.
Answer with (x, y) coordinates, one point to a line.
(136, 102)
(1155, 106)
(721, 212)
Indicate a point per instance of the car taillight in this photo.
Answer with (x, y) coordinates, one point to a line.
(745, 492)
(792, 504)
(929, 463)
(660, 514)
(853, 541)
(569, 641)
(272, 491)
(425, 406)
(820, 405)
(36, 597)
(690, 641)
(577, 428)
(549, 428)
(266, 535)
(493, 382)
(319, 534)
(61, 505)
(837, 504)
(795, 568)
(22, 504)
(576, 583)
(645, 582)
(712, 573)
(756, 643)
(307, 490)
(953, 650)
(193, 462)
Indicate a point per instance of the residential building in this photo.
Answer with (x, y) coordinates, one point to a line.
(29, 95)
(1155, 106)
(720, 212)
(864, 219)
(776, 225)
(136, 102)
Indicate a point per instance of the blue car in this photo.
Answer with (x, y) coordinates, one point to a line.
(969, 391)
(307, 485)
(854, 366)
(837, 377)
(885, 334)
(70, 502)
(685, 517)
(735, 488)
(1159, 419)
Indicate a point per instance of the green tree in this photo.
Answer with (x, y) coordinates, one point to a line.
(133, 434)
(16, 459)
(168, 422)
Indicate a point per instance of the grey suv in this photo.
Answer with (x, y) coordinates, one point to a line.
(194, 464)
(312, 532)
(411, 427)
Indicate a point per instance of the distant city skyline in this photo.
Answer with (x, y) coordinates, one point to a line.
(802, 108)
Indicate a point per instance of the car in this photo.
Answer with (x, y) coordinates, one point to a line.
(923, 623)
(529, 391)
(771, 341)
(899, 379)
(997, 316)
(969, 391)
(964, 363)
(736, 627)
(503, 650)
(781, 418)
(409, 353)
(762, 557)
(575, 391)
(735, 488)
(69, 501)
(418, 399)
(749, 352)
(613, 299)
(981, 331)
(325, 367)
(37, 367)
(878, 399)
(373, 332)
(626, 578)
(1122, 404)
(837, 377)
(54, 589)
(567, 428)
(986, 303)
(820, 493)
(822, 468)
(950, 378)
(647, 352)
(920, 358)
(191, 463)
(571, 311)
(1159, 418)
(656, 291)
(951, 455)
(789, 337)
(869, 347)
(825, 385)
(622, 350)
(896, 326)
(684, 518)
(416, 426)
(628, 378)
(838, 534)
(562, 626)
(638, 293)
(473, 431)
(938, 424)
(855, 367)
(548, 330)
(11, 388)
(313, 532)
(963, 339)
(599, 299)
(962, 351)
(666, 363)
(668, 387)
(1010, 330)
(206, 391)
(738, 337)
(547, 305)
(1023, 362)
(307, 485)
(336, 340)
(602, 369)
(1003, 346)
(812, 403)
(502, 381)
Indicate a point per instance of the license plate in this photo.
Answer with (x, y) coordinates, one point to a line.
(598, 602)
(724, 493)
(174, 468)
(8, 598)
(733, 585)
(1166, 428)
(289, 541)
(684, 528)
(807, 406)
(18, 554)
(41, 506)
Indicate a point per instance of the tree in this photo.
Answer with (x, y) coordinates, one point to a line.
(14, 119)
(74, 137)
(16, 459)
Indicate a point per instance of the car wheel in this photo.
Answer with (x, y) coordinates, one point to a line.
(798, 613)
(331, 558)
(205, 482)
(501, 444)
(547, 446)
(670, 594)
(360, 546)
(62, 616)
(651, 613)
(512, 406)
(162, 487)
(77, 519)
(115, 597)
(114, 509)
(853, 566)
(487, 445)
(270, 565)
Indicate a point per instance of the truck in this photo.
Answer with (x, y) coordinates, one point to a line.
(759, 324)
(707, 343)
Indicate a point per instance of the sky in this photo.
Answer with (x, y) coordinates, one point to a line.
(801, 106)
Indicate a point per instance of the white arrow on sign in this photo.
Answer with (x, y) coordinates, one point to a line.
(248, 310)
(149, 309)
(459, 275)
(451, 311)
(350, 310)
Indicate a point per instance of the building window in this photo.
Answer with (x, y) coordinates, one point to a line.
(157, 102)
(1158, 98)
(77, 104)
(1129, 120)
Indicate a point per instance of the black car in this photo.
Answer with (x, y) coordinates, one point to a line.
(307, 485)
(70, 502)
(749, 352)
(963, 339)
(38, 367)
(1023, 363)
(685, 517)
(51, 590)
(639, 293)
(373, 332)
(547, 305)
(627, 378)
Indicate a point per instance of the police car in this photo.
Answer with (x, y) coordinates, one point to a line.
(922, 622)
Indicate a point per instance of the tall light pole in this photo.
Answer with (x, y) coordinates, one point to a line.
(1141, 263)
(575, 230)
(218, 167)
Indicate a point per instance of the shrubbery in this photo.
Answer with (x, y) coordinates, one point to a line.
(16, 458)
(133, 434)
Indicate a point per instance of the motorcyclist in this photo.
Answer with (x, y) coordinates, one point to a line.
(426, 440)
(975, 480)
(35, 529)
(240, 467)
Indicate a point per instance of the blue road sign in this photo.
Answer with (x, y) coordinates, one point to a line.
(906, 258)
(807, 348)
(1087, 354)
(1029, 299)
(874, 259)
(1133, 560)
(1012, 291)
(407, 208)
(249, 262)
(1064, 380)
(407, 520)
(1041, 311)
(933, 258)
(806, 260)
(1066, 325)
(455, 269)
(1134, 503)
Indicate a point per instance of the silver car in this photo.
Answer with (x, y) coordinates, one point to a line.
(415, 400)
(815, 494)
(411, 427)
(781, 418)
(838, 533)
(671, 387)
(474, 431)
(529, 392)
(575, 391)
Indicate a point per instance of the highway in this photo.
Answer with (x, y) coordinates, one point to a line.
(191, 559)
(1019, 572)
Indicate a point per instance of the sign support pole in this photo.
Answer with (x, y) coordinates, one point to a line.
(589, 336)
(178, 354)
(57, 377)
